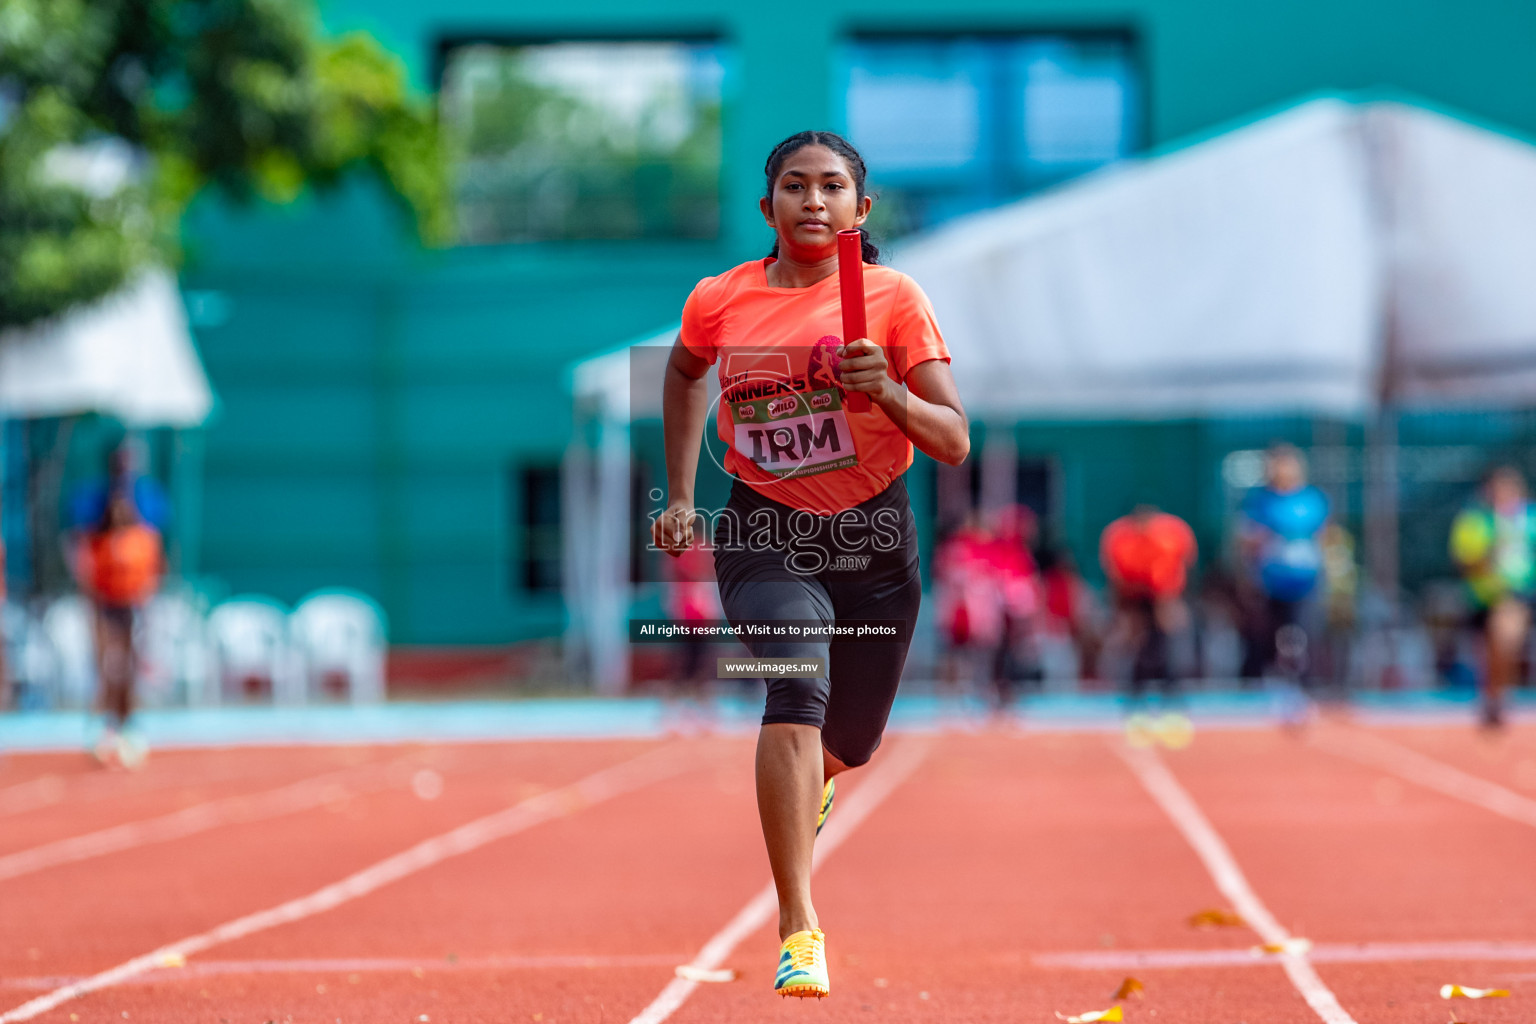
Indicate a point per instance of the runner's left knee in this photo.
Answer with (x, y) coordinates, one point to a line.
(797, 701)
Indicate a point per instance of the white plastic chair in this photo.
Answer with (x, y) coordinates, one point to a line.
(175, 663)
(249, 640)
(29, 658)
(70, 627)
(339, 633)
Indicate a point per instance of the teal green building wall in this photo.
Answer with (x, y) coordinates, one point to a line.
(375, 398)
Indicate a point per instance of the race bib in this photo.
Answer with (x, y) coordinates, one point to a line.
(794, 434)
(1300, 554)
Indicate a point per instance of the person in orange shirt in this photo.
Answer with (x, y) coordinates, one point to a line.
(1147, 556)
(119, 565)
(968, 602)
(690, 598)
(818, 533)
(1070, 607)
(1016, 658)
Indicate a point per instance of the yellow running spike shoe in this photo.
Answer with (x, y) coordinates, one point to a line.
(1173, 730)
(827, 793)
(803, 966)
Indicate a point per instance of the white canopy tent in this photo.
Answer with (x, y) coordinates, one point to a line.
(595, 514)
(1315, 261)
(1237, 273)
(128, 355)
(1462, 220)
(1322, 260)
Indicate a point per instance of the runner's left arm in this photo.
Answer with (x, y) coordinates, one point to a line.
(927, 409)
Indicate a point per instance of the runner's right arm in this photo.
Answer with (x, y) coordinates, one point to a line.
(684, 410)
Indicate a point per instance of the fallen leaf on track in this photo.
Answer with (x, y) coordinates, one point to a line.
(1216, 918)
(1130, 987)
(1452, 991)
(1111, 1014)
(171, 960)
(1296, 947)
(688, 972)
(1174, 731)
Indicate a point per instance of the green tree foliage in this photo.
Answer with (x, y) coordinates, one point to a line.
(593, 152)
(245, 96)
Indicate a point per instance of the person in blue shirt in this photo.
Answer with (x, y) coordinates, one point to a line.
(1280, 540)
(125, 498)
(88, 503)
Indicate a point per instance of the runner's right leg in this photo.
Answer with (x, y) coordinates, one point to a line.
(1509, 622)
(789, 794)
(791, 762)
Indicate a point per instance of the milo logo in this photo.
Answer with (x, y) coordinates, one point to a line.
(803, 434)
(783, 406)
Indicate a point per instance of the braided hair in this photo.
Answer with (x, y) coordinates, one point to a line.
(843, 148)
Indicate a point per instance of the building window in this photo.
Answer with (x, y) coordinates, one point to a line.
(584, 140)
(954, 124)
(1038, 487)
(538, 525)
(959, 491)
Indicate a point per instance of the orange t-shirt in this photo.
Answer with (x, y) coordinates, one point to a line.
(783, 416)
(1150, 558)
(123, 565)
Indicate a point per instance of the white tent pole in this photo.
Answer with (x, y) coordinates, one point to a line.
(576, 503)
(1381, 496)
(610, 599)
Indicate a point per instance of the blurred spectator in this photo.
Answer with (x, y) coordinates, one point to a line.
(1069, 607)
(1220, 602)
(1147, 556)
(1491, 541)
(88, 504)
(1017, 657)
(1341, 585)
(969, 602)
(118, 561)
(1281, 549)
(693, 597)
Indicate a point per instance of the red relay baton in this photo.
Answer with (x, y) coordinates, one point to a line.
(850, 273)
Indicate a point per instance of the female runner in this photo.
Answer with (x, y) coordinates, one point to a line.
(818, 527)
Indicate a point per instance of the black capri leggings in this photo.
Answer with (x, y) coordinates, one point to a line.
(775, 562)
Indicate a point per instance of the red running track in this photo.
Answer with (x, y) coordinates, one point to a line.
(1001, 876)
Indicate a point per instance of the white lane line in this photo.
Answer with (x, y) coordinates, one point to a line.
(304, 795)
(360, 965)
(1085, 960)
(1325, 952)
(96, 785)
(556, 803)
(1191, 821)
(1378, 752)
(881, 781)
(34, 793)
